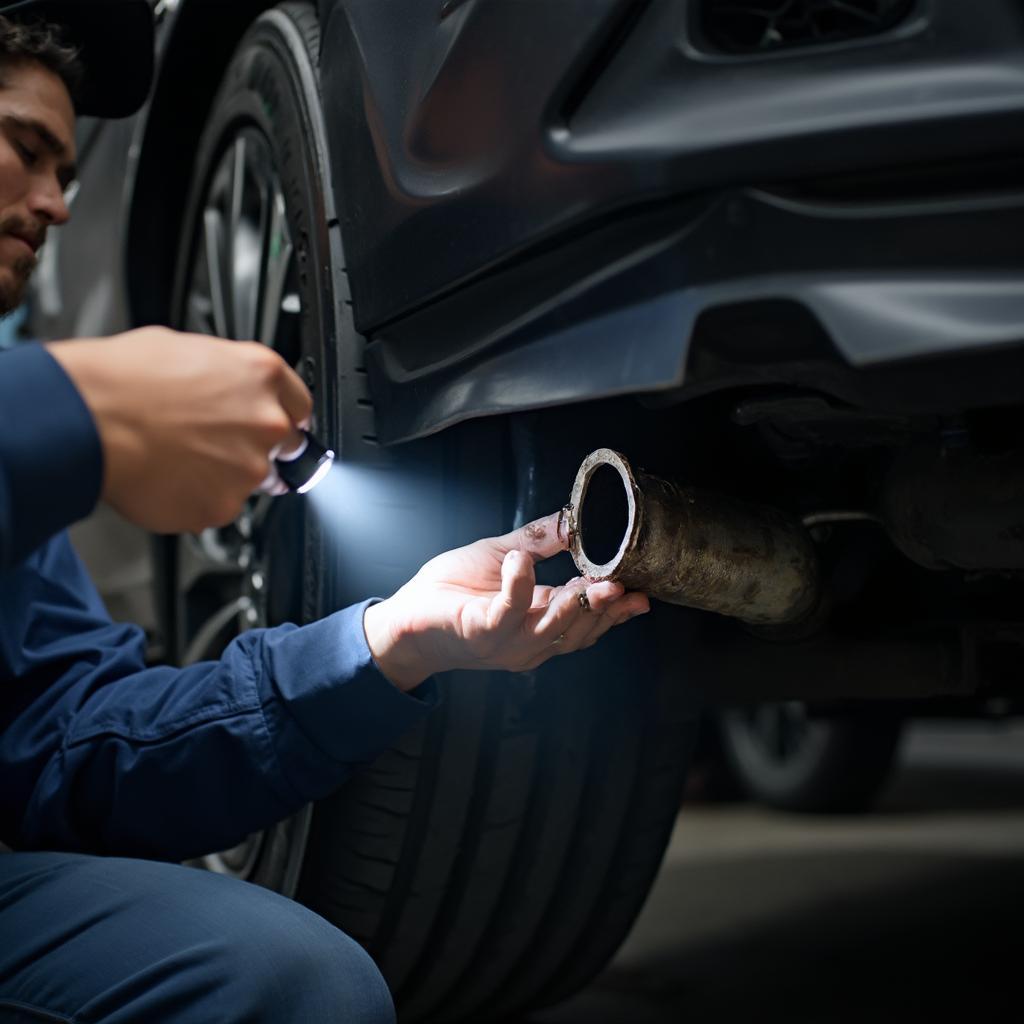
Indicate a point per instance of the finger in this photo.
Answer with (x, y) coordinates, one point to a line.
(294, 396)
(508, 607)
(613, 613)
(608, 607)
(563, 610)
(272, 483)
(602, 625)
(291, 447)
(576, 634)
(586, 630)
(635, 604)
(539, 539)
(542, 596)
(627, 607)
(598, 594)
(602, 595)
(619, 613)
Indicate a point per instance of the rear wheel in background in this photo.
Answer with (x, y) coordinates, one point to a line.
(495, 859)
(783, 756)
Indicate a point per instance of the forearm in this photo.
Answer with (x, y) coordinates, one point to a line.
(51, 464)
(172, 763)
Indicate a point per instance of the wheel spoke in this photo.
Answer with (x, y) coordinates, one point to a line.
(237, 187)
(248, 223)
(214, 246)
(214, 552)
(204, 644)
(278, 250)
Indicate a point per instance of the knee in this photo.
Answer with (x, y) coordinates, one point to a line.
(353, 989)
(143, 941)
(295, 966)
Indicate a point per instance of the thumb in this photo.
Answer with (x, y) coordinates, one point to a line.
(510, 605)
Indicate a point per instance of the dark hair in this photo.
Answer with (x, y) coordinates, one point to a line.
(40, 41)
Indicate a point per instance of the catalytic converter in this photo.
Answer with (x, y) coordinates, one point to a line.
(689, 546)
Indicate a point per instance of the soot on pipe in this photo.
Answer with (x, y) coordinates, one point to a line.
(689, 546)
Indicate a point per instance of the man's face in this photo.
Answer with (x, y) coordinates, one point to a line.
(37, 162)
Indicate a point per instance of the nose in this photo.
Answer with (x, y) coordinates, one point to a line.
(47, 203)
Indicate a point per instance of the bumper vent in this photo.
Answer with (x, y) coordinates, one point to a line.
(756, 26)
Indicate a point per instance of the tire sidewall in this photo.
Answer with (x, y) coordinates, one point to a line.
(265, 89)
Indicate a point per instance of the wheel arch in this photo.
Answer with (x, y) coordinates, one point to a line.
(168, 139)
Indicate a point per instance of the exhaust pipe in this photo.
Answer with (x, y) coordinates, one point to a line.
(688, 546)
(956, 508)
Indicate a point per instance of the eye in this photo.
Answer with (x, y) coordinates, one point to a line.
(27, 155)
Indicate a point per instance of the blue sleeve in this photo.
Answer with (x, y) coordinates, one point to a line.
(100, 754)
(51, 462)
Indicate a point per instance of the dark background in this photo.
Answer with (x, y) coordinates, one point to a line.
(912, 912)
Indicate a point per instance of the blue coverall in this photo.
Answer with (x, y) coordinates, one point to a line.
(101, 755)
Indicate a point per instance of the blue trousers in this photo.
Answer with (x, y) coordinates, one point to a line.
(91, 939)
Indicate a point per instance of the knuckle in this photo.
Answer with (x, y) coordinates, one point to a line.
(303, 394)
(255, 470)
(271, 365)
(275, 423)
(262, 360)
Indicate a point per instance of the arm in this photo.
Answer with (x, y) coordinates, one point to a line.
(100, 754)
(173, 430)
(187, 422)
(51, 464)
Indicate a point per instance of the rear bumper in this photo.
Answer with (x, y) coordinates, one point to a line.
(737, 288)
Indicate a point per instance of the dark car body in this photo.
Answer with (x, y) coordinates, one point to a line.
(575, 184)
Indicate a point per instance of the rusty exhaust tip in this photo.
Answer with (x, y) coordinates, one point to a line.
(606, 514)
(688, 546)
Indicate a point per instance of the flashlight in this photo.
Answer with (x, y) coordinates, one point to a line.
(302, 469)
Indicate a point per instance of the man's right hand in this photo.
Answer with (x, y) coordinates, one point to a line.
(187, 422)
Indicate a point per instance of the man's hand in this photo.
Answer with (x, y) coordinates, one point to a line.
(187, 422)
(479, 607)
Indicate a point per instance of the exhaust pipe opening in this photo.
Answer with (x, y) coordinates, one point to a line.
(688, 546)
(604, 514)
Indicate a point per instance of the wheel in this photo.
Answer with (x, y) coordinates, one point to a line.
(782, 756)
(496, 857)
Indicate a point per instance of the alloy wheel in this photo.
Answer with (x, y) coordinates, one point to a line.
(243, 285)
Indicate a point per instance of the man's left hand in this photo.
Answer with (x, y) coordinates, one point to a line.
(479, 607)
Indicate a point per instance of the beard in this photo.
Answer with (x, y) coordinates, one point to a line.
(14, 283)
(12, 290)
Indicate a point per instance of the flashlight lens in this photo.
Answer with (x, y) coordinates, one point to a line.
(319, 473)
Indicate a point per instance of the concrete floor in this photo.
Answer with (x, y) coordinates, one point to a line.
(913, 912)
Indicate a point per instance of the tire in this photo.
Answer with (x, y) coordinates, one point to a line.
(781, 757)
(496, 857)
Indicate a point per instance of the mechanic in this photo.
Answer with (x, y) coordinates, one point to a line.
(112, 769)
